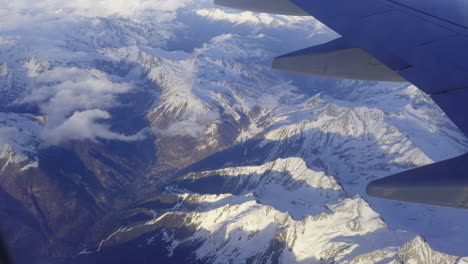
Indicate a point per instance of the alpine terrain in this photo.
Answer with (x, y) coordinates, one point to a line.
(156, 132)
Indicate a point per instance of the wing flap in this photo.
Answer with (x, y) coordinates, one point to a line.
(337, 59)
(444, 183)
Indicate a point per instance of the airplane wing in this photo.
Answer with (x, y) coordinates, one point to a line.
(424, 42)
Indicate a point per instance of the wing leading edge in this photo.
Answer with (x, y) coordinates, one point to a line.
(423, 42)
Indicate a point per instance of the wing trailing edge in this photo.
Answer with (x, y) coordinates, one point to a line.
(443, 183)
(337, 59)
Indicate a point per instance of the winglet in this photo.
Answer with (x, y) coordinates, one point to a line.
(281, 7)
(443, 183)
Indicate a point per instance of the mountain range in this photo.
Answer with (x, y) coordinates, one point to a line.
(159, 134)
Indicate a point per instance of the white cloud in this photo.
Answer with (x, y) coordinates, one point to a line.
(74, 101)
(85, 125)
(63, 91)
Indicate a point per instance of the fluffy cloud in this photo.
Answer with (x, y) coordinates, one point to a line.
(63, 91)
(74, 101)
(85, 125)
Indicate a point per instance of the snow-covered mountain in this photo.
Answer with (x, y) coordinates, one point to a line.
(157, 132)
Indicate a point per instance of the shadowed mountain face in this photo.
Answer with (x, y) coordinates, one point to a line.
(158, 133)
